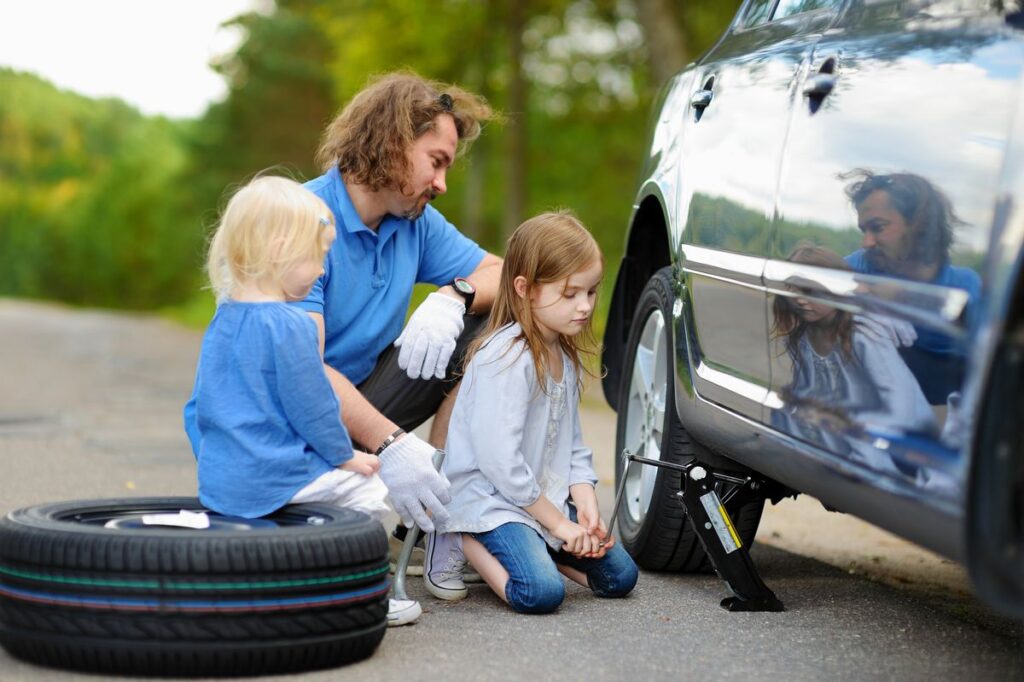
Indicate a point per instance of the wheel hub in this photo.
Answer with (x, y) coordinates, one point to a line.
(645, 411)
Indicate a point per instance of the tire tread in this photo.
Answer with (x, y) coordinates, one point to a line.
(666, 540)
(61, 554)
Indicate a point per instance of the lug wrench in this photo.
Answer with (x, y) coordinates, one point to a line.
(410, 542)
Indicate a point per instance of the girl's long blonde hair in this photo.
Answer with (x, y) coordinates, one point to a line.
(789, 325)
(268, 225)
(546, 248)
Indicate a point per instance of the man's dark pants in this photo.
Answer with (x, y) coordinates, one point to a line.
(410, 402)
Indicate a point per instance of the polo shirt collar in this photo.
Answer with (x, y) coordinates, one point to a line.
(350, 217)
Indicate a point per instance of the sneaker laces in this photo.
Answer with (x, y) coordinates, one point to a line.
(452, 568)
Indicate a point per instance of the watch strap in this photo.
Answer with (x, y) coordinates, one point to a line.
(388, 441)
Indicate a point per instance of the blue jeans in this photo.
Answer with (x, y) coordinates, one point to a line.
(534, 583)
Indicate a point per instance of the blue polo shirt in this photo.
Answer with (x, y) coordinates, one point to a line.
(368, 277)
(936, 359)
(952, 276)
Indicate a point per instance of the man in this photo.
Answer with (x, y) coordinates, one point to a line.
(907, 225)
(386, 156)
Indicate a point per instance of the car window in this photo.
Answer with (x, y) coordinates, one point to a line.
(757, 13)
(788, 8)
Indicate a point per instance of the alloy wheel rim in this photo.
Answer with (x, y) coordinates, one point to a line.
(645, 415)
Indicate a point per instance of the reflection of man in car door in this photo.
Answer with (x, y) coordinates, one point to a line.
(907, 225)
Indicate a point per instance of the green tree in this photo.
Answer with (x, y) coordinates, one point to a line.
(101, 205)
(86, 208)
(279, 99)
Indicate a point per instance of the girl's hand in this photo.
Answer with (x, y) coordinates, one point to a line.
(585, 499)
(578, 541)
(362, 463)
(604, 540)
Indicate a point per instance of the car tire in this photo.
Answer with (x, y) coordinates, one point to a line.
(87, 585)
(653, 524)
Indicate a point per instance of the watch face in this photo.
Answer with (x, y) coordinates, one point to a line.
(463, 287)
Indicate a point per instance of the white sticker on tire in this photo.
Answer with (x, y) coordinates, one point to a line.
(183, 519)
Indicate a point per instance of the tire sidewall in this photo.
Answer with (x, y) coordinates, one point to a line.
(22, 531)
(157, 600)
(656, 296)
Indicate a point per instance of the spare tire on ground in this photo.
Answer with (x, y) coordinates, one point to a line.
(90, 585)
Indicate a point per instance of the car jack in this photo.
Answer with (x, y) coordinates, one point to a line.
(716, 531)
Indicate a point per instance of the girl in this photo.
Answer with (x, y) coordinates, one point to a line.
(263, 420)
(522, 480)
(846, 373)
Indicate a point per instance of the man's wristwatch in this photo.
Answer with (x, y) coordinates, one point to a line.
(466, 290)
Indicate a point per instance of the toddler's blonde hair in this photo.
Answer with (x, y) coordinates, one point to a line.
(268, 225)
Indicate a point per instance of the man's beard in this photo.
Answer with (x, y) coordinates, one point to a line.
(417, 210)
(877, 260)
(897, 264)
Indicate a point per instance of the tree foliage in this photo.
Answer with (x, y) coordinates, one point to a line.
(101, 205)
(86, 199)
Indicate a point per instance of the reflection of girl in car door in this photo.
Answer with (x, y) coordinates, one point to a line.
(847, 374)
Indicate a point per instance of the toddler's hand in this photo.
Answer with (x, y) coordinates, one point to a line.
(362, 463)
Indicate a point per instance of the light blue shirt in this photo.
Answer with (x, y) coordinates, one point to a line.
(873, 388)
(369, 276)
(263, 420)
(504, 449)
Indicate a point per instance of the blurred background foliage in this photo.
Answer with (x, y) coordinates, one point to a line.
(100, 205)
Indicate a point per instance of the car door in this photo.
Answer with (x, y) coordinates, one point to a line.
(735, 127)
(995, 479)
(904, 105)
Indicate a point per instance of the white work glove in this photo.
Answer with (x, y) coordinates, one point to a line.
(407, 469)
(428, 340)
(900, 332)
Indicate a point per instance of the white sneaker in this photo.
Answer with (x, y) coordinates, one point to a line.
(442, 566)
(403, 612)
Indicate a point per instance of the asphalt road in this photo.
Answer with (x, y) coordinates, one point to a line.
(90, 407)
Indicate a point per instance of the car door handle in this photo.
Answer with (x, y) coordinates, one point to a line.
(819, 85)
(701, 99)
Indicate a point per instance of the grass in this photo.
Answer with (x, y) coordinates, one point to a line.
(195, 312)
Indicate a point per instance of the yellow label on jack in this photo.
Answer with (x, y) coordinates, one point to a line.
(721, 522)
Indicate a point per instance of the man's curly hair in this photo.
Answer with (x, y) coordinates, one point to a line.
(369, 139)
(927, 211)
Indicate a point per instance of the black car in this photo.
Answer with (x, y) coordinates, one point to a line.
(821, 290)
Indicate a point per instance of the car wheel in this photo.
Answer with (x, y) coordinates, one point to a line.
(90, 585)
(652, 521)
